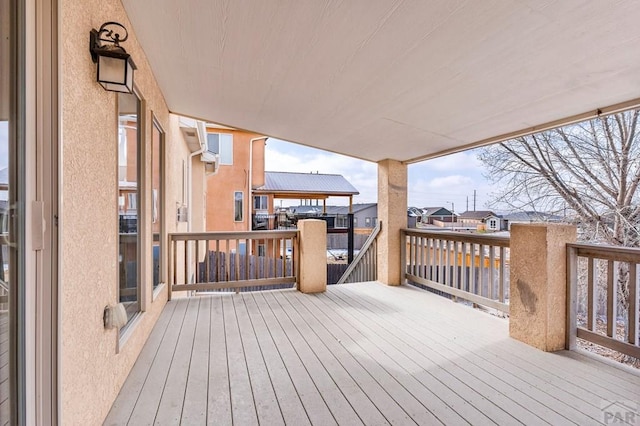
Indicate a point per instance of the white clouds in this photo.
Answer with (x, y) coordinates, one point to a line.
(449, 182)
(287, 157)
(437, 182)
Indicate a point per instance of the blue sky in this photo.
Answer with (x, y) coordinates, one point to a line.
(432, 183)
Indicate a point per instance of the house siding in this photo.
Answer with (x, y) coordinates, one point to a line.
(93, 368)
(231, 178)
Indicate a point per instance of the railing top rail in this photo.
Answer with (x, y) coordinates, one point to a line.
(190, 236)
(464, 237)
(627, 254)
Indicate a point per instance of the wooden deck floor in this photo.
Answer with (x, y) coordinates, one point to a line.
(358, 354)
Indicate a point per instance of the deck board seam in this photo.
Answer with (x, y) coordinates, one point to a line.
(506, 359)
(396, 334)
(592, 374)
(296, 350)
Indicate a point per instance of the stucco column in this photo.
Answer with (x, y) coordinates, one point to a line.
(392, 213)
(538, 284)
(313, 256)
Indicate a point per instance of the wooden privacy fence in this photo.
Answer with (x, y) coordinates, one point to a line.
(472, 267)
(602, 299)
(210, 261)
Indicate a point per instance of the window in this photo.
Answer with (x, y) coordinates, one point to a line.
(375, 221)
(367, 221)
(132, 201)
(157, 201)
(238, 198)
(260, 202)
(355, 221)
(129, 172)
(262, 250)
(221, 144)
(493, 224)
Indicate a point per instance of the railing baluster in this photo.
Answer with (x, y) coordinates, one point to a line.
(572, 296)
(483, 279)
(501, 283)
(464, 281)
(592, 294)
(492, 272)
(474, 282)
(633, 304)
(447, 275)
(186, 262)
(456, 263)
(197, 263)
(612, 300)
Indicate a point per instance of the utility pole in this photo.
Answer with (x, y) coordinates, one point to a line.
(467, 203)
(474, 200)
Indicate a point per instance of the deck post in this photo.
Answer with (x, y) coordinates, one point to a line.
(538, 284)
(313, 256)
(392, 213)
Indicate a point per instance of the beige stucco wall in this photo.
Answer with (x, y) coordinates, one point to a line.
(232, 178)
(92, 369)
(392, 214)
(538, 284)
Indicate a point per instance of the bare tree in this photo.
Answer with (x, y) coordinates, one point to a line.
(589, 171)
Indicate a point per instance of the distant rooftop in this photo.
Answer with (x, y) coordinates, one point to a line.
(477, 214)
(294, 185)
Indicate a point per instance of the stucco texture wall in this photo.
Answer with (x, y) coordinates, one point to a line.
(231, 178)
(92, 369)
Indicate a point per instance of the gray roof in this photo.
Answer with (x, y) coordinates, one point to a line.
(477, 214)
(432, 210)
(310, 183)
(333, 209)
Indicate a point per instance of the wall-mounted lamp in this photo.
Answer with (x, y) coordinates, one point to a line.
(115, 66)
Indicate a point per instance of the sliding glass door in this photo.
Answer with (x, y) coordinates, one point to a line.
(11, 222)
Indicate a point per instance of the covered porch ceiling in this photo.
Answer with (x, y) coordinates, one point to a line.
(404, 80)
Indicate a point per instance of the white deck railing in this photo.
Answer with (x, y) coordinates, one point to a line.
(602, 302)
(364, 267)
(472, 267)
(231, 260)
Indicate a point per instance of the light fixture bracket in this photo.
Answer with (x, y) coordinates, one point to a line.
(115, 66)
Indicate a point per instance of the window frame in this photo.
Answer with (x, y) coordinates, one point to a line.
(225, 150)
(140, 211)
(156, 212)
(260, 204)
(237, 209)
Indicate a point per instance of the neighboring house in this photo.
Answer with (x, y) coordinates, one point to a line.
(230, 204)
(302, 186)
(489, 219)
(365, 215)
(441, 214)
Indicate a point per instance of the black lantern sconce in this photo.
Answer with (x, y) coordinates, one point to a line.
(115, 66)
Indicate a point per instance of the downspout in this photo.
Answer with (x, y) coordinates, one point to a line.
(250, 182)
(202, 134)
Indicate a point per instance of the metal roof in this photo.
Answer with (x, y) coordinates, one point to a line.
(477, 214)
(297, 184)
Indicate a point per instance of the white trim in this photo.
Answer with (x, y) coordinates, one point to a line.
(129, 328)
(157, 291)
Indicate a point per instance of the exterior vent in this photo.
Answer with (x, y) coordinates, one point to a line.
(182, 215)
